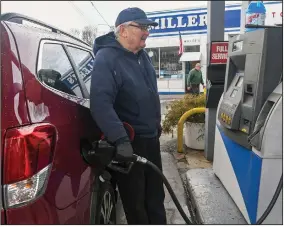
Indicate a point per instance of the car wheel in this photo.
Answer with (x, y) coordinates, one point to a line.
(103, 204)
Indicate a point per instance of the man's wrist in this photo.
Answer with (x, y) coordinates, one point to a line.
(122, 140)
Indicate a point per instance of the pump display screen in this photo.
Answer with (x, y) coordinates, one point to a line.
(240, 82)
(237, 46)
(234, 92)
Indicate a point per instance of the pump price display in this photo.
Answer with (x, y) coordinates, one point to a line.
(219, 53)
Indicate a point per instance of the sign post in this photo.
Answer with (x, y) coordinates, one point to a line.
(216, 56)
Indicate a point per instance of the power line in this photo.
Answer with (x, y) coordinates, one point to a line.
(99, 13)
(80, 12)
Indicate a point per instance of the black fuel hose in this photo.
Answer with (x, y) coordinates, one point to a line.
(144, 161)
(168, 186)
(272, 202)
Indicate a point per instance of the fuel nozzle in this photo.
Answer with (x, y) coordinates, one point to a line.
(99, 154)
(103, 154)
(139, 159)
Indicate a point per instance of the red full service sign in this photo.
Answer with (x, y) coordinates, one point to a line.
(219, 53)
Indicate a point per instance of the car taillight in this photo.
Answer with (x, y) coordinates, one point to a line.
(28, 155)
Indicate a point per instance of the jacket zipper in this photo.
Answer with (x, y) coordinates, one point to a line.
(147, 82)
(143, 72)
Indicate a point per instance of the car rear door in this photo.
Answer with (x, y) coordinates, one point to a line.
(83, 61)
(70, 181)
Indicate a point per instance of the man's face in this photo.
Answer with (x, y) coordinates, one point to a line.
(197, 67)
(136, 35)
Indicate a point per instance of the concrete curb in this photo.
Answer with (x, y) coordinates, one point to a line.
(171, 173)
(212, 203)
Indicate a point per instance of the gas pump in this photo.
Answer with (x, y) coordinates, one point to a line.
(248, 136)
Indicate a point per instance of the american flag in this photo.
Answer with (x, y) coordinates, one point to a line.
(181, 49)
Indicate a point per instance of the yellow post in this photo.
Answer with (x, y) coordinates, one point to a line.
(181, 122)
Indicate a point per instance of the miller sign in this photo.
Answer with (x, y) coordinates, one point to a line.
(218, 53)
(194, 21)
(181, 21)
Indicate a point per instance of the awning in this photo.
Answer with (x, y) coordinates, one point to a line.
(190, 56)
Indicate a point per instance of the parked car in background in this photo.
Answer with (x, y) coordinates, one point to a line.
(46, 122)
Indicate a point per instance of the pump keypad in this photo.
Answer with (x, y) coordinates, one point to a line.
(226, 118)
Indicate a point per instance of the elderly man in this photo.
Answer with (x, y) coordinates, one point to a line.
(124, 89)
(194, 80)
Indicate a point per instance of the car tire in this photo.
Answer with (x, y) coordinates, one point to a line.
(103, 206)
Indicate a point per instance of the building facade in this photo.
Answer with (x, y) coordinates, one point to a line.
(163, 43)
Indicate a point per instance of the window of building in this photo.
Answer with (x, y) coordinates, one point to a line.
(84, 61)
(192, 48)
(170, 66)
(56, 71)
(154, 55)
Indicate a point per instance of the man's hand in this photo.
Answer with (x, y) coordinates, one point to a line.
(124, 151)
(188, 88)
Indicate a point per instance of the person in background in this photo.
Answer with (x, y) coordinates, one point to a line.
(194, 80)
(124, 89)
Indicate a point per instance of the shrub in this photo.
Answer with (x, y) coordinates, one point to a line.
(178, 107)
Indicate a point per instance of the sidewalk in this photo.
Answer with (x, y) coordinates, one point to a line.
(170, 97)
(209, 199)
(171, 173)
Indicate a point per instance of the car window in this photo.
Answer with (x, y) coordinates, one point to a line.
(56, 70)
(84, 61)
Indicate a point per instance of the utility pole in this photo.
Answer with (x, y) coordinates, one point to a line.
(215, 32)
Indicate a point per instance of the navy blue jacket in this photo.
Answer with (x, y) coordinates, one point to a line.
(123, 89)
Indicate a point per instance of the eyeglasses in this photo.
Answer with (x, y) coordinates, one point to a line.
(142, 27)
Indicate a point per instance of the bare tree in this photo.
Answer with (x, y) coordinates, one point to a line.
(89, 33)
(111, 29)
(76, 32)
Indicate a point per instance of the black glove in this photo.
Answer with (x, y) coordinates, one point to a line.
(124, 150)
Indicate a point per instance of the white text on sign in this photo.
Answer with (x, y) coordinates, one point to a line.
(222, 52)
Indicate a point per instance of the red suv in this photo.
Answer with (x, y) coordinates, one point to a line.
(46, 122)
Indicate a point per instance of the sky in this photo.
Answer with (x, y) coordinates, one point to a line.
(77, 14)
